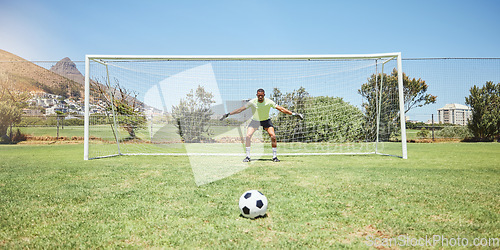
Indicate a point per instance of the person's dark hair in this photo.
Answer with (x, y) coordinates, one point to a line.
(261, 90)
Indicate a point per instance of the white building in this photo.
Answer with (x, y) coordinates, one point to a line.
(454, 113)
(52, 110)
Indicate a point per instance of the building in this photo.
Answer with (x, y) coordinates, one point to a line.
(54, 109)
(32, 112)
(454, 114)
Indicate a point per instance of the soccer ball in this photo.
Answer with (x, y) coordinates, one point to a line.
(253, 204)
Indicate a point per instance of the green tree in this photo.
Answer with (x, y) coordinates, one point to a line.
(193, 114)
(9, 114)
(11, 104)
(485, 104)
(125, 105)
(381, 92)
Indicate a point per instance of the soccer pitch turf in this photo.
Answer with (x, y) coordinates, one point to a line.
(51, 198)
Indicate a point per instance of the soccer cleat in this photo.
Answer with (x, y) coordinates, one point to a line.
(247, 159)
(275, 159)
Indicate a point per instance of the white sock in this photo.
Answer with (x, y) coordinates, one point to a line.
(275, 152)
(248, 152)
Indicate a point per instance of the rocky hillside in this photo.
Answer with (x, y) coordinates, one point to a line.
(67, 68)
(23, 75)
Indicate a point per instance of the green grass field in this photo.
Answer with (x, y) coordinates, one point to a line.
(51, 198)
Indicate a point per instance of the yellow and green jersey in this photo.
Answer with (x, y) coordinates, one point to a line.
(261, 110)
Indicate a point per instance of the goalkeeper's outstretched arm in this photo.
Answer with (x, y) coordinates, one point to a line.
(234, 112)
(278, 107)
(288, 112)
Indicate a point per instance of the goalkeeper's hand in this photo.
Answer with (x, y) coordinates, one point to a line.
(224, 116)
(300, 116)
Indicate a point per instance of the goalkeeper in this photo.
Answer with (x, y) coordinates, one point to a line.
(260, 109)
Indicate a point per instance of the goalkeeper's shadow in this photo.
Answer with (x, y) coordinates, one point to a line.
(260, 159)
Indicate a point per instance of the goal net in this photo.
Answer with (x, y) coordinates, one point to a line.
(172, 105)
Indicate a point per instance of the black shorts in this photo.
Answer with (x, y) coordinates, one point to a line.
(266, 124)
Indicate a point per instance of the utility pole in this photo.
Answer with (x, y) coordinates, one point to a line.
(432, 126)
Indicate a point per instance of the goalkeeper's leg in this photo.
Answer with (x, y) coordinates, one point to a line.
(248, 142)
(274, 143)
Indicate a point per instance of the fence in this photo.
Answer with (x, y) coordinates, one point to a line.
(450, 79)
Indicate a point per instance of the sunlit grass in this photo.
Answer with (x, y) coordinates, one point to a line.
(50, 198)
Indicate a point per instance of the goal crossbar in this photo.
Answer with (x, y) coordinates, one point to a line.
(243, 57)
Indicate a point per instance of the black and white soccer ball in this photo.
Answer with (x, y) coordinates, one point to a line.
(253, 204)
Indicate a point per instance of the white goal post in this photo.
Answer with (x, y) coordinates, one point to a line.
(171, 105)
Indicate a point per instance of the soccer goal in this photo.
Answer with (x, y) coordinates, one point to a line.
(172, 105)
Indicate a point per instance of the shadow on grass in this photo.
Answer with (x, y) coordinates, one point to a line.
(262, 160)
(256, 218)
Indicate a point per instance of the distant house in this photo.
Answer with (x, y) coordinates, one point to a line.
(54, 109)
(454, 114)
(32, 112)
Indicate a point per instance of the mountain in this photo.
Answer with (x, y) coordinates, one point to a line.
(67, 68)
(22, 75)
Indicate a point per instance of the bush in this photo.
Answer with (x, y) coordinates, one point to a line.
(454, 132)
(18, 136)
(327, 119)
(423, 133)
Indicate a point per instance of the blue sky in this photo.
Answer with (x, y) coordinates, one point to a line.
(51, 30)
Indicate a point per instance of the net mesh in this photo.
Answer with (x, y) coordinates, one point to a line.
(174, 106)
